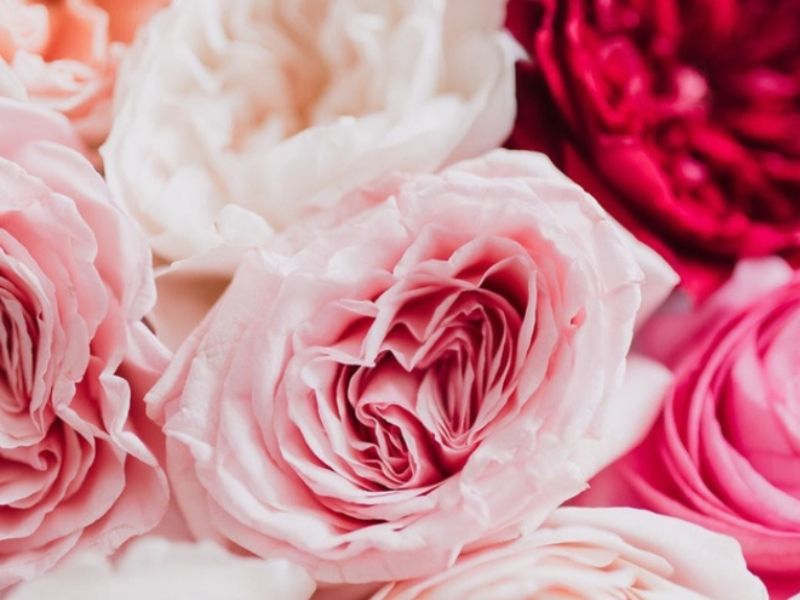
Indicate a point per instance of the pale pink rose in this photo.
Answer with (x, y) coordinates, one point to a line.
(236, 117)
(65, 54)
(594, 553)
(372, 395)
(75, 282)
(154, 568)
(726, 450)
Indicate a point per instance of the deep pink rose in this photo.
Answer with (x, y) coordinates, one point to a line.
(726, 451)
(75, 281)
(371, 396)
(682, 118)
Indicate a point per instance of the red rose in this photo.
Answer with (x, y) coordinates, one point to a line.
(682, 118)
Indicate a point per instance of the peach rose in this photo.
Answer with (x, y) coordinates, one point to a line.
(375, 392)
(75, 282)
(65, 53)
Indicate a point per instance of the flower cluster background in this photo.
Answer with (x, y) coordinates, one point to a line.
(399, 299)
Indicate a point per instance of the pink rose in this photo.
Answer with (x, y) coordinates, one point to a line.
(65, 53)
(75, 356)
(370, 397)
(596, 553)
(726, 451)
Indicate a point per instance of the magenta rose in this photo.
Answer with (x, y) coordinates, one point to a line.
(726, 451)
(373, 395)
(75, 281)
(682, 118)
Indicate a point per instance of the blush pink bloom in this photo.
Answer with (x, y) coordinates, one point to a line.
(596, 553)
(726, 451)
(65, 53)
(372, 396)
(75, 281)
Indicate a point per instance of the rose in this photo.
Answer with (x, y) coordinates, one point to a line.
(725, 453)
(75, 281)
(682, 119)
(236, 117)
(375, 392)
(158, 569)
(64, 54)
(596, 553)
(239, 116)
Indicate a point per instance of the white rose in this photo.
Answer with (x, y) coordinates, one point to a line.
(156, 569)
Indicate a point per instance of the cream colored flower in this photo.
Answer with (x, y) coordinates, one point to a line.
(235, 117)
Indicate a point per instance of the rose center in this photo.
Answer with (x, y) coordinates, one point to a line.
(709, 90)
(442, 377)
(17, 352)
(318, 70)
